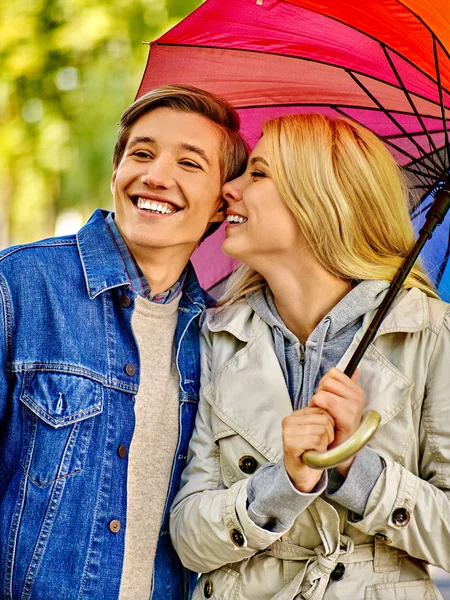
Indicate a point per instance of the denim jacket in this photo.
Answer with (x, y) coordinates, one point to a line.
(70, 372)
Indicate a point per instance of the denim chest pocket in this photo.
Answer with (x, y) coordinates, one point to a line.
(59, 411)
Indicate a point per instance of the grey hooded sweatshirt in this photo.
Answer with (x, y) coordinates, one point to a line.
(273, 502)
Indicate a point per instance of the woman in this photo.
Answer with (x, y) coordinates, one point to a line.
(320, 220)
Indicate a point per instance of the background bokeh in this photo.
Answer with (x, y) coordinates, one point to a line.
(68, 70)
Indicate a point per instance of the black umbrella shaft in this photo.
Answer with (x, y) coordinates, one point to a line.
(435, 216)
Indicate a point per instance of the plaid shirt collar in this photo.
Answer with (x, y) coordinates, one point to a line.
(137, 279)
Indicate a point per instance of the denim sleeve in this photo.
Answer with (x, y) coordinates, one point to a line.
(3, 350)
(354, 490)
(273, 502)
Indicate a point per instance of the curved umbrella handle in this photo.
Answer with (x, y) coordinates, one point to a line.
(332, 458)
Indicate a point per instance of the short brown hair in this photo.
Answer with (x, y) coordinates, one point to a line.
(185, 98)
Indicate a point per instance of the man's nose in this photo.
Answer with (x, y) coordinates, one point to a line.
(158, 173)
(232, 191)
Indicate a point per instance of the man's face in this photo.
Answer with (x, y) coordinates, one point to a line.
(167, 186)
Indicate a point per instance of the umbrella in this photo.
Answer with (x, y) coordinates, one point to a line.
(384, 63)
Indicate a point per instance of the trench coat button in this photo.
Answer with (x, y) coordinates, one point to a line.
(401, 517)
(338, 572)
(122, 451)
(383, 538)
(236, 537)
(130, 369)
(125, 301)
(208, 588)
(114, 526)
(248, 464)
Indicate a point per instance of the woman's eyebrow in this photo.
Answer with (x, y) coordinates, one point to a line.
(260, 159)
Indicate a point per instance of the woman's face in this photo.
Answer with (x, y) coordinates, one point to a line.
(260, 227)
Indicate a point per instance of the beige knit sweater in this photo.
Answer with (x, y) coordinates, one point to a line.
(153, 444)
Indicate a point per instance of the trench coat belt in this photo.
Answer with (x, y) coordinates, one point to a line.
(312, 580)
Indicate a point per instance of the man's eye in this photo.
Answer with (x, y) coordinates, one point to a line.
(188, 163)
(142, 154)
(257, 174)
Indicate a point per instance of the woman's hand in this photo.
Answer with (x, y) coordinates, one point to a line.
(309, 428)
(343, 399)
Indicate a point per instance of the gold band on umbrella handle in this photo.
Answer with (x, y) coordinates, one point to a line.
(338, 455)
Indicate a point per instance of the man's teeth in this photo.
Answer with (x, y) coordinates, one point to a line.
(235, 219)
(154, 206)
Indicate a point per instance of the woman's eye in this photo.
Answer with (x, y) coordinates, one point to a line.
(257, 174)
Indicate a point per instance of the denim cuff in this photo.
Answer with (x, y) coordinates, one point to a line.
(353, 491)
(273, 502)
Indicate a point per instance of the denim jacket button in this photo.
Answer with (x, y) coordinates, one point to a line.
(125, 301)
(122, 451)
(114, 526)
(130, 369)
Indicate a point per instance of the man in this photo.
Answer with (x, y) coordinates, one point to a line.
(100, 366)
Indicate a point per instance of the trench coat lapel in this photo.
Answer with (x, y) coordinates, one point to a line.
(250, 395)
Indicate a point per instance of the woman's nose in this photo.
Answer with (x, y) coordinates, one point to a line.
(232, 190)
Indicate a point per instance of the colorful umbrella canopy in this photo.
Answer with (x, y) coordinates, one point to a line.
(384, 63)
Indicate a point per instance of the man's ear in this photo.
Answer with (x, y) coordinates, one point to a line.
(113, 180)
(219, 215)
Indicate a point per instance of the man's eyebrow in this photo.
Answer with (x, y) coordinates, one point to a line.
(197, 150)
(140, 140)
(189, 147)
(260, 159)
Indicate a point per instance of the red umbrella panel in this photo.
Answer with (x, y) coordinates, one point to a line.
(384, 63)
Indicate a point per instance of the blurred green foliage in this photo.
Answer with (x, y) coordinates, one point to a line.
(68, 70)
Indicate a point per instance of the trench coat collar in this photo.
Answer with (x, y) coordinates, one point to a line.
(408, 313)
(238, 318)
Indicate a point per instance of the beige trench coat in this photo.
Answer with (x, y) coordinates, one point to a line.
(406, 377)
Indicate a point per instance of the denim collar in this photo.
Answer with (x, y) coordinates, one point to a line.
(104, 268)
(102, 264)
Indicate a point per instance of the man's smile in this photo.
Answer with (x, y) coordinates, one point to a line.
(153, 203)
(157, 207)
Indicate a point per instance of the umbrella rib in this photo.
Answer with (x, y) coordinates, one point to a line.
(386, 138)
(424, 186)
(411, 103)
(413, 163)
(431, 181)
(441, 97)
(425, 157)
(423, 176)
(353, 106)
(437, 173)
(387, 113)
(425, 24)
(395, 136)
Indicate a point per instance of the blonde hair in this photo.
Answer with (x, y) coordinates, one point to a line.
(348, 196)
